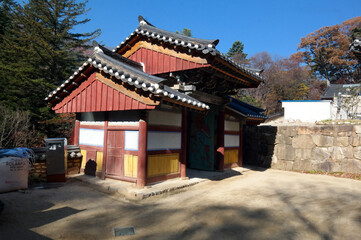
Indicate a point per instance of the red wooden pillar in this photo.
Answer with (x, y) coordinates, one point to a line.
(220, 140)
(76, 132)
(142, 154)
(105, 147)
(240, 149)
(183, 162)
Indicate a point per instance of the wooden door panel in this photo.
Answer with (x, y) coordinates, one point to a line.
(201, 141)
(115, 153)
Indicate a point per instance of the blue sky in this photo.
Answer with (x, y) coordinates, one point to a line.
(274, 26)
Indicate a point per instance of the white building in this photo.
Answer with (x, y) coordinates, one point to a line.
(339, 101)
(307, 110)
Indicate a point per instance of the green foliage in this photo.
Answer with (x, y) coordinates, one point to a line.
(236, 52)
(6, 12)
(355, 33)
(39, 51)
(246, 97)
(186, 32)
(47, 29)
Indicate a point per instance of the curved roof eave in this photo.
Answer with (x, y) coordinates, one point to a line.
(206, 47)
(128, 74)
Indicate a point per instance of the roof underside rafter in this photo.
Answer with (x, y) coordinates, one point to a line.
(251, 113)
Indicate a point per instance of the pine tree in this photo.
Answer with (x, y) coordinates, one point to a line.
(186, 32)
(236, 52)
(40, 50)
(47, 28)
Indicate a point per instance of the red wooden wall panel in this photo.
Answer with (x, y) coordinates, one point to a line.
(94, 96)
(99, 94)
(156, 62)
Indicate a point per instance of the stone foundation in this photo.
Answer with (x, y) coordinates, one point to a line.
(74, 165)
(38, 171)
(328, 148)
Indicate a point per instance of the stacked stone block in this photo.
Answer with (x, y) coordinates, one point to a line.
(38, 171)
(74, 165)
(327, 148)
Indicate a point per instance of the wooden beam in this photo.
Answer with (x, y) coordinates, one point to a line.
(76, 132)
(237, 70)
(208, 98)
(228, 74)
(240, 149)
(142, 154)
(127, 46)
(105, 146)
(183, 160)
(164, 50)
(125, 91)
(184, 104)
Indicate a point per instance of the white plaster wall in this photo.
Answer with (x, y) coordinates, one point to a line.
(124, 123)
(165, 118)
(307, 111)
(131, 140)
(231, 140)
(91, 137)
(231, 126)
(164, 140)
(97, 123)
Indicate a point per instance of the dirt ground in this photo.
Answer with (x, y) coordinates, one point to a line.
(267, 204)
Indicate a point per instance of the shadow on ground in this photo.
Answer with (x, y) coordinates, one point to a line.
(21, 213)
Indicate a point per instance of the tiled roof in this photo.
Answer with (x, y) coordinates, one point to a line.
(113, 64)
(246, 109)
(207, 47)
(333, 89)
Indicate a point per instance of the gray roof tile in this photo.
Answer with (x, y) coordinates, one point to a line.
(118, 66)
(202, 45)
(333, 89)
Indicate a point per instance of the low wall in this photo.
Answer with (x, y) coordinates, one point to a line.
(38, 168)
(73, 166)
(328, 148)
(38, 171)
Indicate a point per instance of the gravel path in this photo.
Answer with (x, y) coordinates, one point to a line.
(267, 204)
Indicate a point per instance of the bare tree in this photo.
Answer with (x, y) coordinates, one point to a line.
(350, 102)
(15, 129)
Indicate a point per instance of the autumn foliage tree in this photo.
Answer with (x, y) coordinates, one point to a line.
(285, 79)
(326, 52)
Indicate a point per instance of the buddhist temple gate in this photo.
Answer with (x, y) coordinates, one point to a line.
(157, 104)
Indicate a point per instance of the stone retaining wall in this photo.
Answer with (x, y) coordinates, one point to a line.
(74, 165)
(38, 169)
(328, 148)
